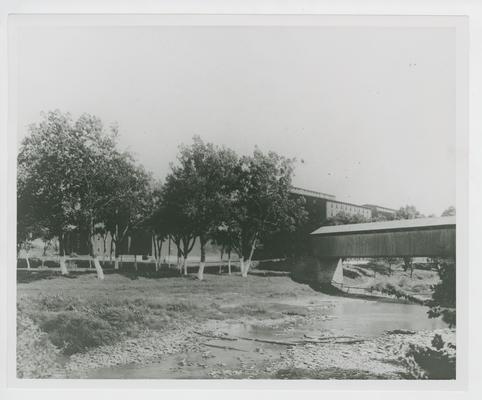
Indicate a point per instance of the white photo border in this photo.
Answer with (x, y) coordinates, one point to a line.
(459, 23)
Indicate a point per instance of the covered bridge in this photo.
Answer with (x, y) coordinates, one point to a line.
(423, 237)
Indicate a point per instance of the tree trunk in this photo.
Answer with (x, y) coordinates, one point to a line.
(185, 265)
(104, 254)
(135, 262)
(200, 273)
(244, 271)
(179, 262)
(93, 255)
(98, 268)
(229, 263)
(154, 251)
(221, 265)
(202, 263)
(111, 248)
(28, 261)
(247, 264)
(159, 249)
(116, 263)
(63, 265)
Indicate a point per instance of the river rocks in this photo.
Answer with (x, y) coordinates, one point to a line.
(148, 348)
(379, 356)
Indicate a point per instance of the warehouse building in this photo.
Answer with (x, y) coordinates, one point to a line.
(328, 206)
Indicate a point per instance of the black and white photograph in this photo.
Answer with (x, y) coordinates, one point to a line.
(216, 199)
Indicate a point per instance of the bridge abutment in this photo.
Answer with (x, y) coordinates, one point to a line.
(328, 270)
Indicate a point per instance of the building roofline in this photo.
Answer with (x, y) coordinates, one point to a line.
(312, 193)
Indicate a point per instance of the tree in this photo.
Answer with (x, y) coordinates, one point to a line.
(157, 224)
(66, 171)
(195, 192)
(47, 167)
(130, 203)
(408, 212)
(449, 212)
(178, 199)
(224, 236)
(261, 204)
(444, 295)
(343, 218)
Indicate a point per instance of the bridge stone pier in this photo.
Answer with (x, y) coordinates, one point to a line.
(423, 237)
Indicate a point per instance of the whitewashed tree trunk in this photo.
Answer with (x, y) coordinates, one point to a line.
(116, 262)
(200, 273)
(185, 265)
(229, 264)
(98, 268)
(28, 261)
(247, 264)
(242, 267)
(63, 265)
(135, 262)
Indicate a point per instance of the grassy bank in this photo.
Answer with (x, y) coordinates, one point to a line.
(64, 316)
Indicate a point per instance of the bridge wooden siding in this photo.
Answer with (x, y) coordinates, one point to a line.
(424, 237)
(427, 237)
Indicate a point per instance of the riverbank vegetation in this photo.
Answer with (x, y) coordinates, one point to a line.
(61, 317)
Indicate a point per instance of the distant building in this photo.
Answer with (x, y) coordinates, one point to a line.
(379, 211)
(334, 207)
(328, 206)
(311, 193)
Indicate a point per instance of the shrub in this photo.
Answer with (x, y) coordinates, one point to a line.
(394, 290)
(75, 332)
(58, 302)
(122, 319)
(443, 298)
(36, 355)
(435, 362)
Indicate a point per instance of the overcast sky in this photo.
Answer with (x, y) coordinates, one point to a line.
(370, 111)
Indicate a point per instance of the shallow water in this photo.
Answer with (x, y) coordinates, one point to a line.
(343, 317)
(372, 318)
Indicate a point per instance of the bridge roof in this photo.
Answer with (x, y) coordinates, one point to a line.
(398, 225)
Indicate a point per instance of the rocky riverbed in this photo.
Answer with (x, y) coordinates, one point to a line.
(223, 327)
(274, 349)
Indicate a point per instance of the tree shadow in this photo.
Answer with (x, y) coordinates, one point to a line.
(28, 276)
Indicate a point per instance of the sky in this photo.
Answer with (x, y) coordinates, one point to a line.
(368, 112)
